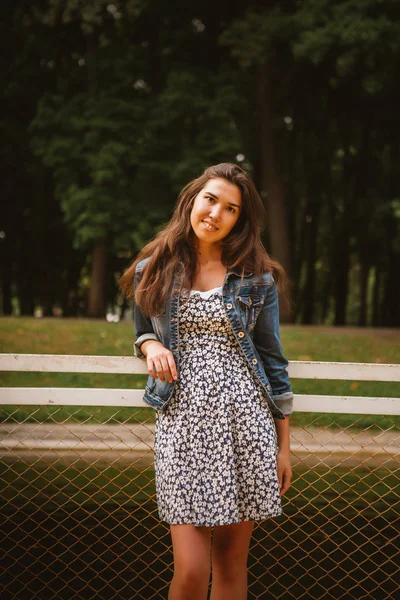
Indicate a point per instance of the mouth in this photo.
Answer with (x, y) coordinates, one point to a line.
(209, 227)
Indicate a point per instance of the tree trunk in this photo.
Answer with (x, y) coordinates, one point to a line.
(342, 263)
(70, 293)
(25, 297)
(25, 270)
(6, 274)
(271, 182)
(390, 300)
(96, 299)
(344, 222)
(326, 296)
(376, 308)
(300, 246)
(310, 284)
(364, 272)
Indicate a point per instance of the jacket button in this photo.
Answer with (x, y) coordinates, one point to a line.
(241, 334)
(229, 305)
(268, 387)
(254, 361)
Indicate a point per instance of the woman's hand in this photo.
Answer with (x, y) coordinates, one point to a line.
(283, 455)
(284, 470)
(160, 361)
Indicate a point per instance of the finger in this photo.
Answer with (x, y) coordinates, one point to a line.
(158, 366)
(280, 473)
(166, 369)
(285, 482)
(150, 368)
(172, 366)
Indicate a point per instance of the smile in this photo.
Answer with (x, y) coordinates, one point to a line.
(209, 227)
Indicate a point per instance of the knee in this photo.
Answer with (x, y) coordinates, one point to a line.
(191, 576)
(229, 561)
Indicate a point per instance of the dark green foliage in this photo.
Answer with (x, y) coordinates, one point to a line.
(109, 109)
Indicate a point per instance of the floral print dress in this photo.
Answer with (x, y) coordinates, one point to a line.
(216, 444)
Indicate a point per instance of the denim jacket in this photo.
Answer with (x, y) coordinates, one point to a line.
(251, 305)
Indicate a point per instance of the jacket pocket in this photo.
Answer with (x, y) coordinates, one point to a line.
(250, 307)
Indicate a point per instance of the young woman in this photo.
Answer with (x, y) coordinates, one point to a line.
(207, 323)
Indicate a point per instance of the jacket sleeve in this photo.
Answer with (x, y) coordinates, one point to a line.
(268, 345)
(143, 327)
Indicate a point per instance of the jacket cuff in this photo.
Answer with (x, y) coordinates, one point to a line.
(139, 341)
(284, 402)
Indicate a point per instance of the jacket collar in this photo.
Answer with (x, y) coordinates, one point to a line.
(178, 279)
(236, 271)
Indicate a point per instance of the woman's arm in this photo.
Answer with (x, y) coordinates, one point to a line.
(267, 342)
(144, 331)
(283, 456)
(160, 361)
(143, 326)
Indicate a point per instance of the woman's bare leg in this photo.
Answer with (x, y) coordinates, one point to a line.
(191, 547)
(230, 548)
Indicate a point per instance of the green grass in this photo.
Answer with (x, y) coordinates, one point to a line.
(84, 336)
(101, 482)
(74, 484)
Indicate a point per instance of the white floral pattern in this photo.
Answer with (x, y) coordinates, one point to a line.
(216, 444)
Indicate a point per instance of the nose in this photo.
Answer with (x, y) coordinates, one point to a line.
(215, 213)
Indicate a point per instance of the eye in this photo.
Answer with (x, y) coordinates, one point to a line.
(231, 209)
(210, 198)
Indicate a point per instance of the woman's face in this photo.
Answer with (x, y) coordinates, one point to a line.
(216, 210)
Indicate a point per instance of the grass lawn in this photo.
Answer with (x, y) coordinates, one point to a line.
(85, 336)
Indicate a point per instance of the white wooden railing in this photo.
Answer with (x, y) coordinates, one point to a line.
(133, 397)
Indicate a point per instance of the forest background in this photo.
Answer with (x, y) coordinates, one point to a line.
(108, 109)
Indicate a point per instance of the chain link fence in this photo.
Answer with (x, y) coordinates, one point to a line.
(79, 517)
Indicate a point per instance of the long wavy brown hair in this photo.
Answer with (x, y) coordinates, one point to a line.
(173, 250)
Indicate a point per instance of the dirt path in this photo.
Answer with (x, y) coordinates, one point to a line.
(139, 438)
